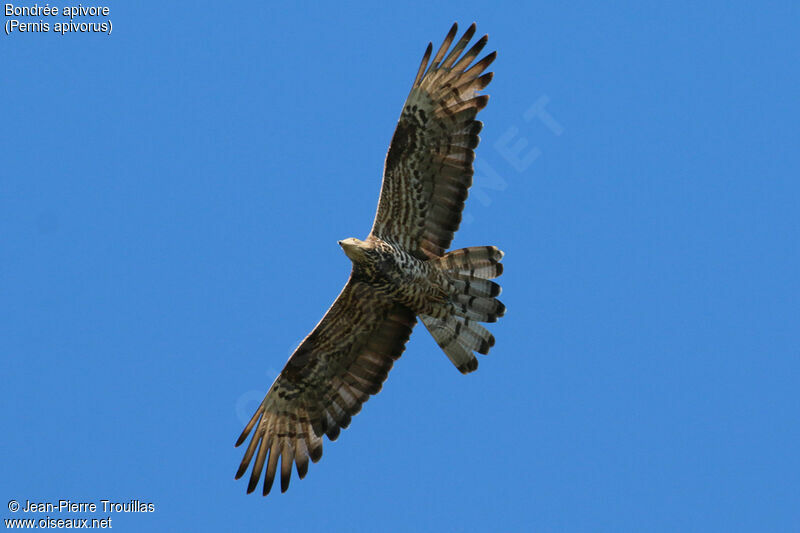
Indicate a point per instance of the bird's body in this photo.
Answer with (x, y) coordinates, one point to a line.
(400, 272)
(422, 285)
(397, 274)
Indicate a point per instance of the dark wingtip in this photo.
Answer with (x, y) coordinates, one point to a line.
(315, 454)
(333, 433)
(451, 33)
(495, 290)
(467, 35)
(470, 366)
(241, 471)
(302, 469)
(319, 426)
(501, 311)
(480, 103)
(285, 483)
(484, 347)
(241, 439)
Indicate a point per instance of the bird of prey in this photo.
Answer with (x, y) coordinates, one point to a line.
(401, 271)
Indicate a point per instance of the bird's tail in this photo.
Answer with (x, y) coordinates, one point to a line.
(469, 272)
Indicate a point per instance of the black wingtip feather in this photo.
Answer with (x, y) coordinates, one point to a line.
(315, 453)
(495, 290)
(333, 433)
(468, 34)
(483, 81)
(470, 366)
(252, 484)
(483, 64)
(423, 65)
(448, 40)
(302, 469)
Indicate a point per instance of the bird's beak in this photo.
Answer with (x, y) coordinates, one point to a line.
(340, 242)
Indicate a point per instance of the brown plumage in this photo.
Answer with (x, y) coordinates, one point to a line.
(399, 272)
(429, 165)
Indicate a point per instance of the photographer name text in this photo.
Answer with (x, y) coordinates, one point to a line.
(105, 506)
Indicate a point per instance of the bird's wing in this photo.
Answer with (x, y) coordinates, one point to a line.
(428, 168)
(344, 360)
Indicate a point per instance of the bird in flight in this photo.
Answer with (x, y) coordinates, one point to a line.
(401, 271)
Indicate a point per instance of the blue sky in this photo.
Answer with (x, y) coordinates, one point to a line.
(170, 200)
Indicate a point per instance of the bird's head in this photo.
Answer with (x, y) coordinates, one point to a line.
(355, 249)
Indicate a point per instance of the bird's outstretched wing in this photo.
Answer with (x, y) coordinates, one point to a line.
(344, 360)
(428, 168)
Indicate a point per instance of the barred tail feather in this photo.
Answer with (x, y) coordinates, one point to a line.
(451, 336)
(477, 308)
(477, 262)
(473, 295)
